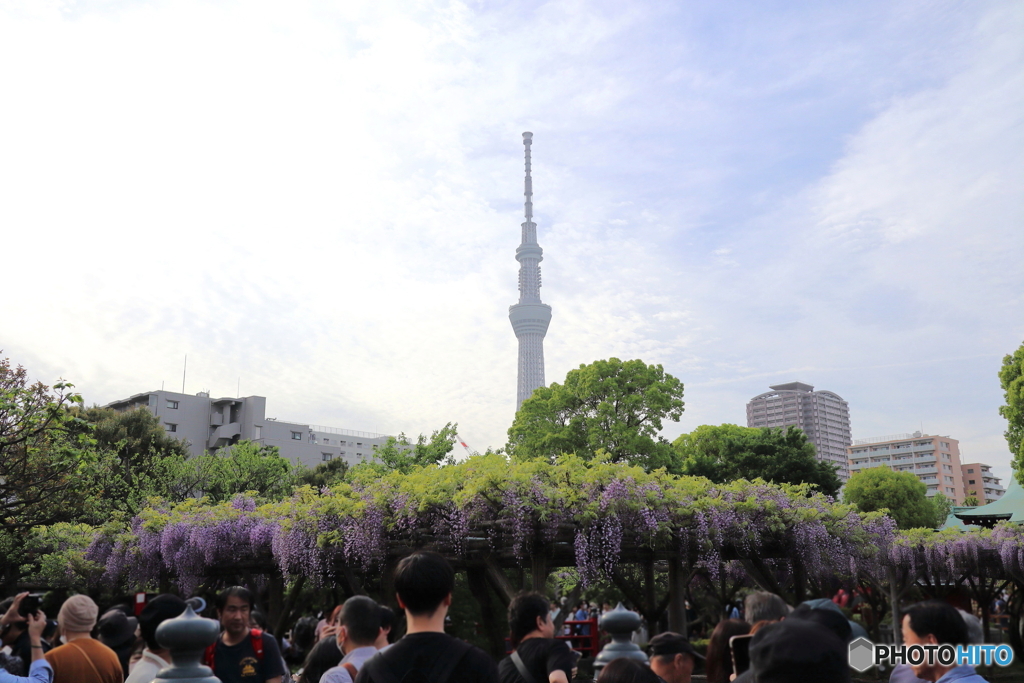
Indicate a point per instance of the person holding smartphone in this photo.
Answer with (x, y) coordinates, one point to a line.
(39, 670)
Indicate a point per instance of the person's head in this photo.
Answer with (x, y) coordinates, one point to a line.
(672, 657)
(798, 651)
(719, 658)
(762, 605)
(77, 615)
(528, 612)
(116, 630)
(833, 620)
(333, 618)
(234, 607)
(424, 581)
(323, 656)
(360, 623)
(157, 611)
(975, 630)
(933, 622)
(258, 619)
(624, 670)
(387, 623)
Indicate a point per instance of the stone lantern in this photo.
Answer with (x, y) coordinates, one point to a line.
(619, 623)
(187, 637)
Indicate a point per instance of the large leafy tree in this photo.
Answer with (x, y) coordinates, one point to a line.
(610, 405)
(901, 494)
(399, 454)
(1011, 377)
(247, 466)
(728, 452)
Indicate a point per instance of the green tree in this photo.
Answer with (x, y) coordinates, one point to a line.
(728, 452)
(610, 405)
(971, 501)
(247, 466)
(943, 506)
(400, 454)
(1011, 377)
(324, 475)
(901, 494)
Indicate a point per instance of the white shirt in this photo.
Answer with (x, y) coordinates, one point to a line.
(356, 658)
(146, 669)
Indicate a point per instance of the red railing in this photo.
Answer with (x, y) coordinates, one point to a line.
(583, 637)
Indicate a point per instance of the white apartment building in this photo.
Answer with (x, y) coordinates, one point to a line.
(823, 415)
(935, 460)
(207, 424)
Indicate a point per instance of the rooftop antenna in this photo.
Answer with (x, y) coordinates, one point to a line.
(183, 369)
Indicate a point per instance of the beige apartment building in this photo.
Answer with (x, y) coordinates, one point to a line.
(981, 483)
(935, 460)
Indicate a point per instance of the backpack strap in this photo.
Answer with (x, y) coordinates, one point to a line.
(256, 636)
(378, 670)
(524, 673)
(351, 669)
(208, 655)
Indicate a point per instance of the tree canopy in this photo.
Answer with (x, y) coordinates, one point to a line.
(609, 405)
(901, 494)
(1011, 377)
(727, 452)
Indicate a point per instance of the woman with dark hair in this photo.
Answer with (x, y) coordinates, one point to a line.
(535, 648)
(719, 659)
(624, 670)
(325, 655)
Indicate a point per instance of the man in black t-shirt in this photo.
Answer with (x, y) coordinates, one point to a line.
(532, 632)
(423, 585)
(241, 654)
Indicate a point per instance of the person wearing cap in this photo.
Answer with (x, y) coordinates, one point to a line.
(117, 631)
(797, 651)
(542, 658)
(672, 657)
(154, 657)
(39, 670)
(81, 659)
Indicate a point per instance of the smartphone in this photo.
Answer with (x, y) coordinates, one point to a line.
(740, 648)
(30, 604)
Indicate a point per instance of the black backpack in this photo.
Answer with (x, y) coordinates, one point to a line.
(441, 672)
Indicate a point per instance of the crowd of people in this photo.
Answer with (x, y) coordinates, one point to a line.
(764, 640)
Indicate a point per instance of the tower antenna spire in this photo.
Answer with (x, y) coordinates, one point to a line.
(530, 317)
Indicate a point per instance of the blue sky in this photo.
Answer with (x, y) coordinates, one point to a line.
(322, 201)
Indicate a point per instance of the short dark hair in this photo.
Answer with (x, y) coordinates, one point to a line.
(522, 615)
(361, 618)
(423, 580)
(237, 592)
(387, 617)
(939, 619)
(623, 670)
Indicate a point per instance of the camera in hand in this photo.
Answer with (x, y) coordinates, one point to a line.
(30, 604)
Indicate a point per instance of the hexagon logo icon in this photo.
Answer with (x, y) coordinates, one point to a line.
(861, 658)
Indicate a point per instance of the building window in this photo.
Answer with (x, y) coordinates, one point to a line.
(173, 405)
(257, 432)
(327, 457)
(970, 470)
(297, 436)
(174, 428)
(971, 481)
(326, 440)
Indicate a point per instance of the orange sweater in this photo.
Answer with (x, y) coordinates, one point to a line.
(85, 661)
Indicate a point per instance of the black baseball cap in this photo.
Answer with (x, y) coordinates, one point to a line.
(798, 651)
(669, 643)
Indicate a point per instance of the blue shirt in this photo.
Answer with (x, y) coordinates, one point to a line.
(962, 674)
(39, 671)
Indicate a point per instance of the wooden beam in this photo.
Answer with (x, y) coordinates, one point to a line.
(499, 581)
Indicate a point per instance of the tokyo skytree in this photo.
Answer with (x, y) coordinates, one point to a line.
(529, 317)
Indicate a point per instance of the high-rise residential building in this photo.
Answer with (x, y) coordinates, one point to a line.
(529, 317)
(823, 415)
(208, 424)
(935, 460)
(981, 483)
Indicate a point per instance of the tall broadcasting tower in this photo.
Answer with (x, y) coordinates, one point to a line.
(529, 317)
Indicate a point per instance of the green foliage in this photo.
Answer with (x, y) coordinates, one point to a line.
(611, 406)
(324, 475)
(401, 455)
(943, 506)
(727, 452)
(971, 501)
(1011, 377)
(247, 466)
(902, 495)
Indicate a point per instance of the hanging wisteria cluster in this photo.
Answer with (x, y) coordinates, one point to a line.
(603, 513)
